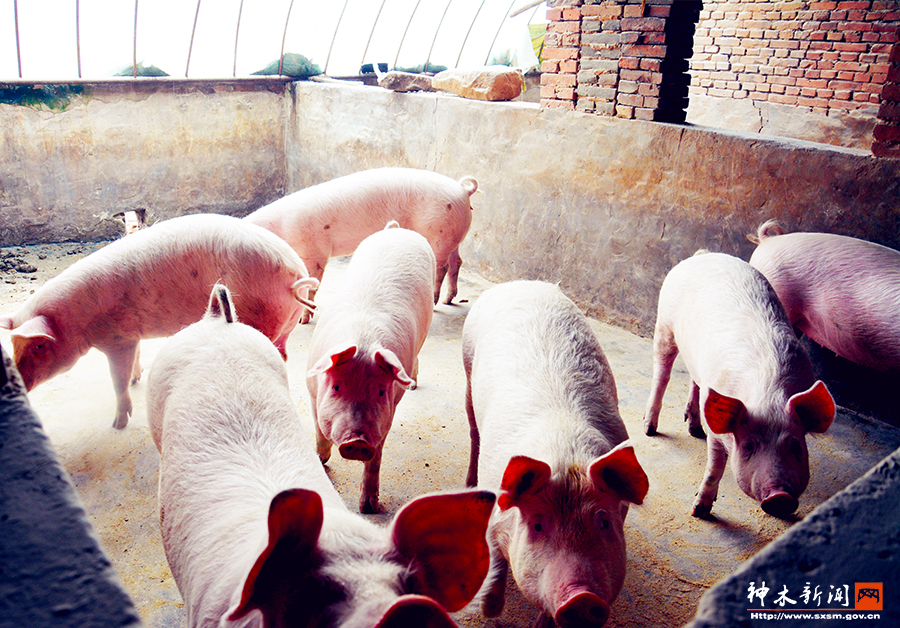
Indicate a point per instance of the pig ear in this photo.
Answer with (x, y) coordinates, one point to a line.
(6, 322)
(620, 471)
(814, 407)
(388, 360)
(37, 327)
(295, 521)
(220, 304)
(522, 478)
(444, 536)
(331, 360)
(723, 414)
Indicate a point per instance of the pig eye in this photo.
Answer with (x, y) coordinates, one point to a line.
(381, 392)
(749, 447)
(538, 527)
(336, 387)
(795, 448)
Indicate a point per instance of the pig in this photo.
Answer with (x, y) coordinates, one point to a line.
(152, 283)
(253, 530)
(364, 351)
(752, 384)
(841, 292)
(547, 437)
(331, 219)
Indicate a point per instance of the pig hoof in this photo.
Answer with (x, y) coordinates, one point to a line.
(368, 506)
(697, 431)
(702, 511)
(650, 430)
(120, 422)
(780, 505)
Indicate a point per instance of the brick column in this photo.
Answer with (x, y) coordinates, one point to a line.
(887, 132)
(625, 58)
(561, 53)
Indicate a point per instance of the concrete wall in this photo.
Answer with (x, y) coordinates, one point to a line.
(604, 206)
(170, 147)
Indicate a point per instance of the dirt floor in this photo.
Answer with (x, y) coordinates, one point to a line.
(672, 557)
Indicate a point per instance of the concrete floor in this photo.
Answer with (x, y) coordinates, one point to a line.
(672, 557)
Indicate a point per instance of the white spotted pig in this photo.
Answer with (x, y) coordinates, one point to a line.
(331, 219)
(547, 437)
(752, 384)
(842, 292)
(150, 284)
(255, 534)
(364, 350)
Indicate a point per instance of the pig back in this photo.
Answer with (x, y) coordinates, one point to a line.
(732, 331)
(386, 294)
(158, 280)
(842, 292)
(333, 217)
(541, 385)
(230, 439)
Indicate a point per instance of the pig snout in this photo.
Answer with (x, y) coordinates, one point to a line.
(582, 610)
(779, 503)
(415, 610)
(356, 449)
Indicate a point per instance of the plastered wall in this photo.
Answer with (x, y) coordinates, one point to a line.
(68, 165)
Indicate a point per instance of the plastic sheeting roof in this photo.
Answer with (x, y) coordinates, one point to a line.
(94, 39)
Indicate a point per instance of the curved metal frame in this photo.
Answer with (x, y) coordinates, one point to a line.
(509, 14)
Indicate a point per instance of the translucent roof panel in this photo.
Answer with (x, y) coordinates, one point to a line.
(93, 39)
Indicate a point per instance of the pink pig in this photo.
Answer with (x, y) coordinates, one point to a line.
(254, 532)
(150, 284)
(752, 382)
(331, 219)
(547, 436)
(842, 292)
(364, 350)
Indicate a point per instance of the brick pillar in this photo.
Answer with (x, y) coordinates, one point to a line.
(561, 52)
(887, 132)
(625, 58)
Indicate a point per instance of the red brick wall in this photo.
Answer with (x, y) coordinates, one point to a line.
(887, 133)
(822, 55)
(635, 58)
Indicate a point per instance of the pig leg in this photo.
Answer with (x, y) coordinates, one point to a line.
(323, 445)
(494, 595)
(136, 370)
(692, 412)
(368, 501)
(716, 460)
(455, 262)
(316, 268)
(121, 366)
(440, 272)
(664, 353)
(472, 476)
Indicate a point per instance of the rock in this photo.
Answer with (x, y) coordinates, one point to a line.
(495, 82)
(405, 82)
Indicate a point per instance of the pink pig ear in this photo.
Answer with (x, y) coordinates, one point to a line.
(331, 360)
(388, 360)
(814, 407)
(723, 414)
(620, 471)
(37, 327)
(522, 478)
(6, 322)
(295, 522)
(444, 536)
